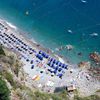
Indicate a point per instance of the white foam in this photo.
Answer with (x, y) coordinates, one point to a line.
(60, 59)
(33, 41)
(11, 25)
(56, 49)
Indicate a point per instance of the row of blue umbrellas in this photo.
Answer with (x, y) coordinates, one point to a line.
(3, 26)
(56, 72)
(53, 62)
(55, 65)
(42, 55)
(19, 49)
(24, 45)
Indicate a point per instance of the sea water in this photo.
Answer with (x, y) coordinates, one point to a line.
(49, 22)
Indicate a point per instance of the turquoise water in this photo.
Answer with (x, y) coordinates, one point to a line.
(48, 23)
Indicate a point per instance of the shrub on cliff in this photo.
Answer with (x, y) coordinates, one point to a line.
(4, 91)
(2, 51)
(91, 97)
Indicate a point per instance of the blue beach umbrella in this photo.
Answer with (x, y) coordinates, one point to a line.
(55, 71)
(50, 70)
(44, 54)
(54, 60)
(27, 60)
(49, 63)
(57, 62)
(66, 66)
(32, 67)
(60, 75)
(31, 62)
(40, 52)
(59, 69)
(39, 57)
(56, 68)
(60, 64)
(63, 66)
(47, 56)
(51, 59)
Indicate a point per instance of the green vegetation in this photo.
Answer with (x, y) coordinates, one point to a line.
(4, 91)
(92, 97)
(9, 77)
(11, 60)
(98, 90)
(25, 93)
(17, 67)
(41, 96)
(37, 95)
(45, 96)
(63, 95)
(2, 51)
(14, 63)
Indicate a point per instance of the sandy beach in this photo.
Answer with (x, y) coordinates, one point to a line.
(45, 70)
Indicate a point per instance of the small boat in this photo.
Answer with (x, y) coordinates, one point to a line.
(83, 1)
(70, 31)
(94, 34)
(27, 13)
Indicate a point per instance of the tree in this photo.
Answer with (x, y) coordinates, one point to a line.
(2, 51)
(4, 91)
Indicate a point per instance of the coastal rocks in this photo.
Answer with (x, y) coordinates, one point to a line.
(68, 47)
(60, 48)
(95, 72)
(84, 64)
(95, 57)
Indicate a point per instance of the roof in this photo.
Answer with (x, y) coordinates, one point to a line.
(71, 88)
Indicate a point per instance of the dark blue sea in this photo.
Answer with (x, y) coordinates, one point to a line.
(48, 22)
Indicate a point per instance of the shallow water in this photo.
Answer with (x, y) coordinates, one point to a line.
(48, 23)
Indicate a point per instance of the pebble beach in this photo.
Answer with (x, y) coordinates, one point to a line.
(48, 72)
